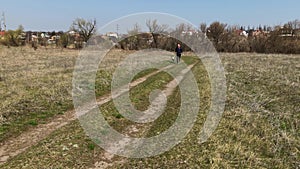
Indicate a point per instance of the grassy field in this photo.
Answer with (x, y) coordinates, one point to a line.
(259, 128)
(37, 85)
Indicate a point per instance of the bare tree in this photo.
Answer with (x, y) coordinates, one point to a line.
(294, 24)
(178, 30)
(182, 30)
(85, 28)
(135, 30)
(154, 27)
(203, 27)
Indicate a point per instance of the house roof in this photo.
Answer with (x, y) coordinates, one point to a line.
(2, 33)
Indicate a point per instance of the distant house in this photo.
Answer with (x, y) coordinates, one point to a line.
(256, 32)
(297, 32)
(53, 39)
(112, 35)
(242, 33)
(34, 38)
(285, 31)
(189, 32)
(73, 33)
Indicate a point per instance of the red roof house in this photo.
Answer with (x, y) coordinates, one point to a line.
(2, 33)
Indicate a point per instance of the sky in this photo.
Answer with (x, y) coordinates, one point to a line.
(56, 15)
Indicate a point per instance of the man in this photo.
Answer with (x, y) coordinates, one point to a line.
(178, 51)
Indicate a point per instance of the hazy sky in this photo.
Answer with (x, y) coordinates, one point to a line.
(49, 15)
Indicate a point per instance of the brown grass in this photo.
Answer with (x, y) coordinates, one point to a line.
(259, 128)
(36, 85)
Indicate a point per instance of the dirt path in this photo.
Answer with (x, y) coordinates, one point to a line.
(138, 129)
(16, 145)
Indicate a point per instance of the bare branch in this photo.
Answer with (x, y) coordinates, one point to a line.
(84, 27)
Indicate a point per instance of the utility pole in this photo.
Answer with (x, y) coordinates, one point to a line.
(3, 21)
(118, 28)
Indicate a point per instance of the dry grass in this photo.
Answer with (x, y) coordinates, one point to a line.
(260, 125)
(36, 85)
(259, 128)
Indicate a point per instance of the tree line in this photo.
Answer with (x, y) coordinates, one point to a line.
(80, 32)
(225, 38)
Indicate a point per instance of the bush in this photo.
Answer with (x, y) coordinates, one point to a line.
(231, 42)
(13, 37)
